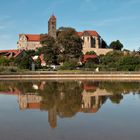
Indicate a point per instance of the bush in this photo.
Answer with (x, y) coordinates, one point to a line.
(91, 53)
(70, 65)
(8, 69)
(90, 65)
(129, 63)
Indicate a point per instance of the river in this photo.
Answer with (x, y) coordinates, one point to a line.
(69, 110)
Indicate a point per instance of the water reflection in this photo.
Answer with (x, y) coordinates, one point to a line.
(66, 99)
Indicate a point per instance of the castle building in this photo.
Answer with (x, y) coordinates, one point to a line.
(91, 39)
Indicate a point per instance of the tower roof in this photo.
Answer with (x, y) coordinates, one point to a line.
(53, 17)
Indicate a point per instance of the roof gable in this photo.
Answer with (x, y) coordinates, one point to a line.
(91, 33)
(88, 33)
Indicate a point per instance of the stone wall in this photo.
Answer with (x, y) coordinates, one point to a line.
(29, 45)
(98, 51)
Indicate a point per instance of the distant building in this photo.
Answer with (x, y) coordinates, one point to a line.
(91, 39)
(29, 42)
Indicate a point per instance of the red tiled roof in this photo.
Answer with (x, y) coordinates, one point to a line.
(80, 33)
(87, 56)
(88, 87)
(14, 53)
(32, 37)
(92, 33)
(33, 105)
(9, 51)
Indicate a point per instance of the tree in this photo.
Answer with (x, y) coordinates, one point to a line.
(129, 63)
(70, 44)
(38, 63)
(71, 65)
(46, 40)
(139, 50)
(4, 61)
(24, 61)
(90, 64)
(116, 45)
(91, 53)
(104, 44)
(30, 52)
(49, 49)
(110, 61)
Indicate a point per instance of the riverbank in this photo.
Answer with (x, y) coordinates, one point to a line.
(72, 75)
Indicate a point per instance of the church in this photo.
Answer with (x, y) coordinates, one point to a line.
(91, 39)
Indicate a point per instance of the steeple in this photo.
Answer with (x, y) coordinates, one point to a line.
(52, 26)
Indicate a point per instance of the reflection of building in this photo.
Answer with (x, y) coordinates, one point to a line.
(90, 101)
(29, 101)
(93, 98)
(32, 101)
(52, 117)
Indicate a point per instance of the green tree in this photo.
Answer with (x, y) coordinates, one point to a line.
(90, 64)
(116, 45)
(104, 44)
(4, 61)
(24, 61)
(50, 49)
(69, 65)
(30, 52)
(129, 63)
(91, 53)
(70, 44)
(38, 63)
(110, 61)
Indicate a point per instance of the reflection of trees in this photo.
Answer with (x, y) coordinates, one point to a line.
(116, 98)
(70, 102)
(120, 88)
(65, 96)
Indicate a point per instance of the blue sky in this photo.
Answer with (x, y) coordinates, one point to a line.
(112, 19)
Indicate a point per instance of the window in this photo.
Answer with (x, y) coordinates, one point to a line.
(93, 42)
(88, 38)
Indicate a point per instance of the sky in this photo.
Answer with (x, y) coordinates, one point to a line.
(112, 19)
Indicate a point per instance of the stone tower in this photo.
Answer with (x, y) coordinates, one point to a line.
(52, 26)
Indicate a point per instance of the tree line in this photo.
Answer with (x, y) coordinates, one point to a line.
(66, 51)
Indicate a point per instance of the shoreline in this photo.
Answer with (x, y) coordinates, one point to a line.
(101, 76)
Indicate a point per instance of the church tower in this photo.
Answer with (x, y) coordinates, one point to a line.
(52, 26)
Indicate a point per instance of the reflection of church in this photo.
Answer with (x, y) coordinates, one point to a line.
(92, 99)
(29, 101)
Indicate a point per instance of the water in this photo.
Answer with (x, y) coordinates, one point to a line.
(70, 110)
